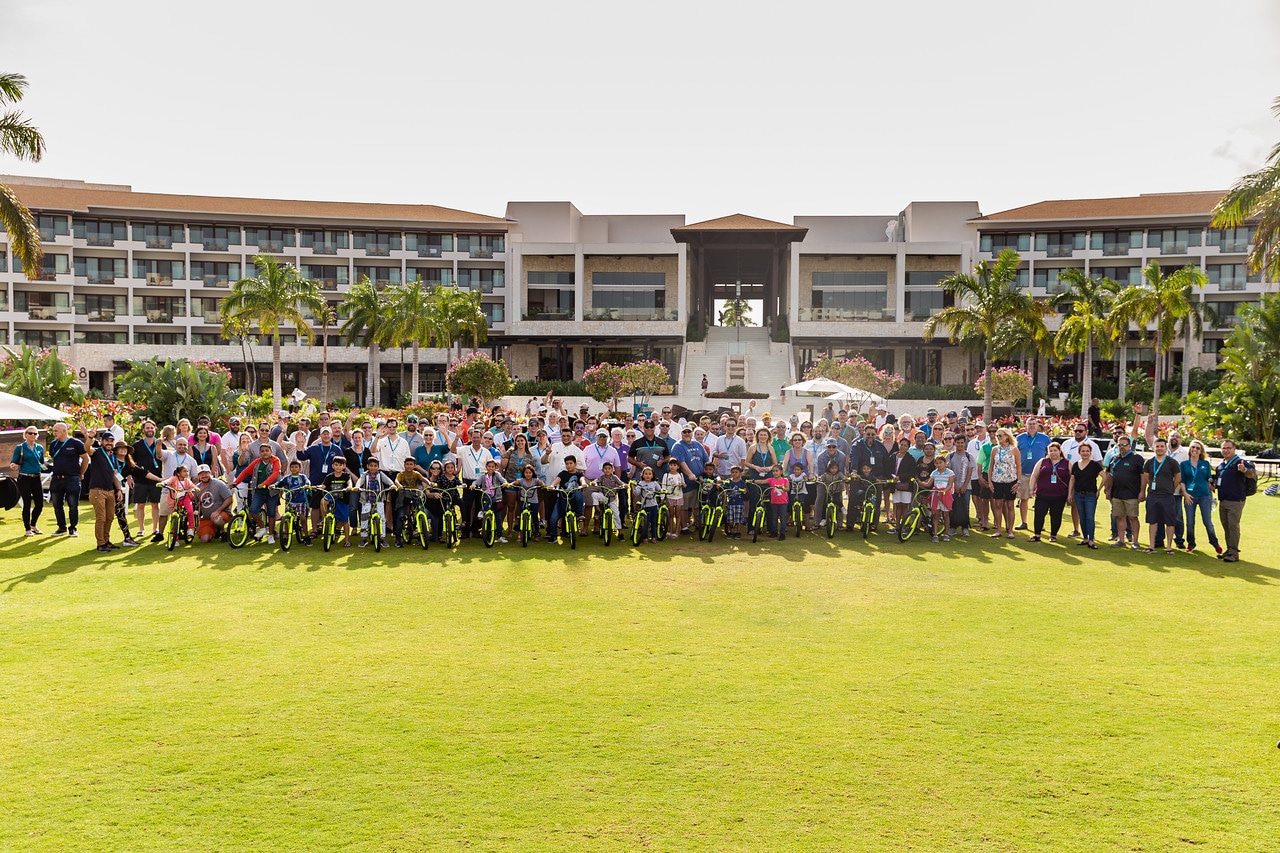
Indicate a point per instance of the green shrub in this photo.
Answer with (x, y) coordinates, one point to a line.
(558, 388)
(920, 391)
(737, 391)
(176, 388)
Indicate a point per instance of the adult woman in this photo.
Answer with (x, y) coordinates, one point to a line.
(1198, 487)
(1004, 470)
(758, 467)
(184, 431)
(128, 472)
(28, 464)
(514, 459)
(205, 453)
(167, 435)
(1050, 484)
(433, 502)
(905, 470)
(1084, 492)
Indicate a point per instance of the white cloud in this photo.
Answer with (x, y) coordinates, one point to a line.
(1244, 148)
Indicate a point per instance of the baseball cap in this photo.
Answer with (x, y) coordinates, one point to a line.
(951, 414)
(687, 429)
(931, 411)
(106, 433)
(831, 442)
(204, 469)
(601, 432)
(412, 419)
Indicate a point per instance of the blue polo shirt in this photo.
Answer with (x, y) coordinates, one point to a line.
(692, 454)
(1032, 450)
(1231, 480)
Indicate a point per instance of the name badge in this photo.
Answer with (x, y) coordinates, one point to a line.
(324, 469)
(1053, 478)
(873, 459)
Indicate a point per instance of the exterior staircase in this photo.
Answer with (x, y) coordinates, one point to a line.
(738, 357)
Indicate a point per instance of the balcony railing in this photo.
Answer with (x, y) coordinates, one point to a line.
(211, 317)
(482, 253)
(820, 315)
(102, 278)
(100, 240)
(1114, 249)
(1173, 248)
(214, 245)
(159, 242)
(1228, 284)
(327, 283)
(324, 248)
(377, 250)
(46, 276)
(1059, 251)
(1234, 246)
(156, 279)
(919, 315)
(273, 246)
(43, 312)
(104, 315)
(159, 317)
(648, 314)
(215, 280)
(430, 251)
(560, 314)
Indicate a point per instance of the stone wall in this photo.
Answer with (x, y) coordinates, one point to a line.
(668, 264)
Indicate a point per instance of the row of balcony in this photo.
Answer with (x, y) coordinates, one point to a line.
(1124, 249)
(374, 250)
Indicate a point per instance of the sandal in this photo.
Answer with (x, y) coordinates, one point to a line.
(1035, 538)
(1053, 538)
(1093, 545)
(1148, 550)
(1168, 550)
(995, 535)
(1010, 536)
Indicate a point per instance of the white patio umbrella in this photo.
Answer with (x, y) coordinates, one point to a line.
(819, 386)
(857, 395)
(15, 408)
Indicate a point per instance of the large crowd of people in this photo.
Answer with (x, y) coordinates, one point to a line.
(985, 478)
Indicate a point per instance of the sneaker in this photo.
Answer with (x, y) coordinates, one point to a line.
(31, 533)
(946, 538)
(271, 540)
(502, 541)
(1075, 534)
(261, 534)
(1022, 526)
(130, 543)
(72, 533)
(111, 547)
(364, 543)
(155, 538)
(964, 531)
(103, 549)
(935, 539)
(61, 531)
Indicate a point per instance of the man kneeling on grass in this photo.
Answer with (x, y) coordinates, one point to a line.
(213, 500)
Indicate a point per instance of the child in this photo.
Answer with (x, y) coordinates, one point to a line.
(412, 479)
(779, 486)
(858, 496)
(735, 511)
(673, 483)
(340, 482)
(646, 497)
(371, 482)
(611, 481)
(298, 487)
(944, 485)
(799, 491)
(528, 493)
(491, 483)
(181, 488)
(832, 491)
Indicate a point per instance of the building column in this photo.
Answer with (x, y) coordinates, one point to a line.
(579, 282)
(515, 286)
(793, 285)
(900, 284)
(682, 283)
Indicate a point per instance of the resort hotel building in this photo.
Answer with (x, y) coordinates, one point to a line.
(131, 275)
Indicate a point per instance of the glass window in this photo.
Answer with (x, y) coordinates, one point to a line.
(52, 226)
(433, 275)
(101, 270)
(381, 276)
(926, 278)
(1230, 239)
(324, 242)
(997, 243)
(923, 304)
(160, 272)
(484, 279)
(269, 239)
(97, 337)
(494, 312)
(1120, 275)
(1226, 276)
(543, 278)
(42, 338)
(376, 243)
(851, 278)
(208, 339)
(215, 238)
(1173, 241)
(160, 339)
(329, 277)
(551, 304)
(158, 235)
(429, 245)
(54, 264)
(99, 232)
(215, 273)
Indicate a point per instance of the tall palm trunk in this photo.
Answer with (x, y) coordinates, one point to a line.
(1186, 362)
(401, 372)
(324, 368)
(372, 380)
(413, 382)
(988, 390)
(1086, 382)
(1155, 384)
(1124, 366)
(276, 381)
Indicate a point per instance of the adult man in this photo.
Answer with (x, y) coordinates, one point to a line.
(1161, 478)
(392, 448)
(503, 438)
(921, 443)
(70, 460)
(104, 488)
(1095, 418)
(446, 438)
(729, 449)
(322, 422)
(979, 448)
(110, 425)
(962, 465)
(930, 421)
(280, 431)
(831, 452)
(261, 474)
(1122, 482)
(598, 455)
(472, 458)
(213, 503)
(1233, 473)
(553, 427)
(230, 444)
(146, 491)
(692, 456)
(781, 440)
(319, 458)
(1071, 450)
(264, 434)
(870, 452)
(569, 478)
(664, 434)
(1033, 445)
(558, 452)
(650, 451)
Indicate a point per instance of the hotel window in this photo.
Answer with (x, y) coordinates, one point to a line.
(1230, 239)
(329, 277)
(1224, 314)
(1060, 244)
(52, 226)
(851, 295)
(100, 232)
(484, 280)
(381, 276)
(4, 299)
(160, 339)
(103, 307)
(1173, 241)
(1213, 345)
(429, 245)
(1022, 278)
(55, 303)
(482, 245)
(205, 308)
(51, 265)
(158, 235)
(1226, 276)
(1116, 242)
(494, 312)
(42, 338)
(4, 259)
(376, 244)
(432, 276)
(161, 272)
(324, 242)
(160, 309)
(628, 296)
(1047, 278)
(101, 270)
(215, 273)
(215, 238)
(997, 243)
(550, 296)
(270, 239)
(102, 337)
(923, 296)
(208, 339)
(1120, 275)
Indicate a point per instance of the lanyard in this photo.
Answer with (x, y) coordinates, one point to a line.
(118, 468)
(1156, 465)
(151, 448)
(600, 451)
(55, 446)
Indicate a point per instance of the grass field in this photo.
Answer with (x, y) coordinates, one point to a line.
(980, 695)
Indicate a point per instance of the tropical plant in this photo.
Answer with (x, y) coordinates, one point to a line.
(20, 138)
(645, 378)
(1006, 383)
(736, 312)
(988, 303)
(1256, 196)
(1088, 325)
(278, 294)
(412, 324)
(605, 383)
(1139, 383)
(1164, 301)
(856, 372)
(1247, 403)
(368, 323)
(475, 375)
(241, 331)
(177, 388)
(40, 375)
(456, 317)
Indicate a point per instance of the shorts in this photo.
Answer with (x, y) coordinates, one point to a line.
(258, 500)
(1124, 508)
(675, 499)
(341, 511)
(902, 498)
(1003, 491)
(1024, 488)
(982, 489)
(145, 491)
(1162, 509)
(206, 528)
(315, 499)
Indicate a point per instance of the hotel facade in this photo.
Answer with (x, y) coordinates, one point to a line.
(132, 275)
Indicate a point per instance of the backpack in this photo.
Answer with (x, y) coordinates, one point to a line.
(1250, 486)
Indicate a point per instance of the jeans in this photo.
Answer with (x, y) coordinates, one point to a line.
(558, 511)
(65, 488)
(777, 519)
(32, 494)
(1205, 506)
(1087, 507)
(650, 522)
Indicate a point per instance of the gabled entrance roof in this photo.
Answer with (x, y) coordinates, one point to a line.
(739, 224)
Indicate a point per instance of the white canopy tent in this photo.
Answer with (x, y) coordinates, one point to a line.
(15, 408)
(820, 386)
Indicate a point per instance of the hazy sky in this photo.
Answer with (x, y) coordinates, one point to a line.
(702, 108)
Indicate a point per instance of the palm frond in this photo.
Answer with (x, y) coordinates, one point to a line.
(12, 87)
(23, 233)
(21, 138)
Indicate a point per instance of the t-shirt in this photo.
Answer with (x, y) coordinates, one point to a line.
(66, 456)
(692, 454)
(410, 479)
(1086, 478)
(942, 479)
(335, 482)
(212, 495)
(101, 473)
(321, 459)
(1032, 449)
(1163, 473)
(1126, 476)
(568, 479)
(650, 452)
(778, 490)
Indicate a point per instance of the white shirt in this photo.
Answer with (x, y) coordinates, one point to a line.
(735, 450)
(974, 447)
(472, 461)
(118, 433)
(1071, 450)
(1180, 455)
(391, 453)
(560, 452)
(553, 433)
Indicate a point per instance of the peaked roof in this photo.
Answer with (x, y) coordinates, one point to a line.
(1143, 206)
(739, 222)
(79, 197)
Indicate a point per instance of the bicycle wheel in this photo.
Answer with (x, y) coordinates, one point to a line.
(488, 529)
(757, 523)
(449, 529)
(606, 526)
(422, 528)
(284, 532)
(639, 522)
(172, 533)
(664, 522)
(375, 531)
(869, 513)
(526, 528)
(797, 517)
(328, 531)
(238, 530)
(571, 530)
(909, 525)
(831, 521)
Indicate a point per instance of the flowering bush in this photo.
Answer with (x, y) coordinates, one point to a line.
(605, 382)
(1007, 383)
(211, 366)
(856, 372)
(645, 377)
(90, 415)
(477, 375)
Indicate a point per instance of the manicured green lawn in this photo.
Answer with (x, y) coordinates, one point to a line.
(971, 696)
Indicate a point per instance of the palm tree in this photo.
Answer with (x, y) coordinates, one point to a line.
(277, 294)
(1257, 196)
(241, 331)
(328, 317)
(457, 317)
(1087, 324)
(368, 323)
(21, 139)
(1164, 301)
(412, 323)
(987, 302)
(736, 312)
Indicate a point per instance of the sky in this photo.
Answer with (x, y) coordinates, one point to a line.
(700, 107)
